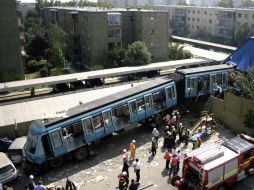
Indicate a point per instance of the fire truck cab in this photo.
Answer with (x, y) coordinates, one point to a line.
(217, 165)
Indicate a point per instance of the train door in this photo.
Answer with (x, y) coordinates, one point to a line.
(169, 96)
(98, 125)
(133, 111)
(56, 140)
(141, 108)
(148, 105)
(224, 80)
(191, 87)
(212, 83)
(88, 129)
(108, 122)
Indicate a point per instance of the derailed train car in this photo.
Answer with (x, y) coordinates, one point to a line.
(48, 143)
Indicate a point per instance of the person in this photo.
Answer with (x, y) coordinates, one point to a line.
(126, 166)
(132, 149)
(195, 144)
(199, 142)
(178, 154)
(65, 132)
(30, 183)
(173, 119)
(126, 177)
(173, 136)
(168, 158)
(155, 134)
(125, 155)
(134, 185)
(122, 184)
(218, 91)
(154, 146)
(173, 167)
(70, 185)
(136, 164)
(40, 186)
(178, 118)
(165, 135)
(180, 132)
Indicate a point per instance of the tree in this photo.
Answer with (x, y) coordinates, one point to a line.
(37, 46)
(32, 66)
(240, 35)
(247, 3)
(246, 82)
(176, 52)
(137, 54)
(116, 57)
(225, 3)
(56, 56)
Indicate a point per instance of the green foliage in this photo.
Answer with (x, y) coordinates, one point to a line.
(37, 46)
(137, 54)
(56, 55)
(241, 35)
(246, 82)
(96, 67)
(44, 72)
(116, 57)
(249, 119)
(176, 52)
(247, 3)
(226, 3)
(57, 37)
(32, 66)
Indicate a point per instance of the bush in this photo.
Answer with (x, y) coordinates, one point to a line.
(44, 72)
(32, 66)
(249, 119)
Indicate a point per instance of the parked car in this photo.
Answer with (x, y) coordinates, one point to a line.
(16, 150)
(8, 171)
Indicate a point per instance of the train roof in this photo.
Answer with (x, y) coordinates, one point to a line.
(90, 106)
(204, 69)
(238, 145)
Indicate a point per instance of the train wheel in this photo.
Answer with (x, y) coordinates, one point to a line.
(56, 162)
(81, 154)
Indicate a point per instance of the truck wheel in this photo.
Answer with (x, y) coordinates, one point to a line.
(81, 154)
(56, 162)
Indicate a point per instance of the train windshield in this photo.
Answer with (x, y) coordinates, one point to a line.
(31, 142)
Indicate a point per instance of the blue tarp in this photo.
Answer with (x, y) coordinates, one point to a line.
(243, 57)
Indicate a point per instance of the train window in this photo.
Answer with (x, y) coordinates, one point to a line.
(219, 79)
(141, 104)
(97, 121)
(56, 139)
(88, 125)
(159, 100)
(173, 92)
(213, 81)
(133, 108)
(224, 79)
(188, 83)
(193, 83)
(107, 118)
(169, 93)
(148, 102)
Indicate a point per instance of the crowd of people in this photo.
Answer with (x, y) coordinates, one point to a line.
(174, 133)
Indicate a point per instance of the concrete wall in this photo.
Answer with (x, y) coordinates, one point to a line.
(12, 133)
(231, 112)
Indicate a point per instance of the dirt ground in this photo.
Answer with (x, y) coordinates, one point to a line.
(101, 172)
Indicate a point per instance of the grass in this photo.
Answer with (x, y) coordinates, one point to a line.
(33, 75)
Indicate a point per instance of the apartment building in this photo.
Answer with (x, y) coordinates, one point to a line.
(11, 39)
(217, 21)
(93, 32)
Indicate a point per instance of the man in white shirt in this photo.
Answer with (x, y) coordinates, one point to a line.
(136, 164)
(155, 134)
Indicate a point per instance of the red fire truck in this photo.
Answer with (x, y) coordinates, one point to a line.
(218, 165)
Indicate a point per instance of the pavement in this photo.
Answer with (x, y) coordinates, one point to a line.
(101, 172)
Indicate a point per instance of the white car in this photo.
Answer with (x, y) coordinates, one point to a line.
(8, 171)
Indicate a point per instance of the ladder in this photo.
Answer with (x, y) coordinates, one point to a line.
(208, 104)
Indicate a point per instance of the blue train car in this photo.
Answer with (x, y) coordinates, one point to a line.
(204, 80)
(87, 123)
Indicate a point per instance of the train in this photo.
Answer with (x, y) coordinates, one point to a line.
(49, 142)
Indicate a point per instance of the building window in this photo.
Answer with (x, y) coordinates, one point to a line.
(246, 15)
(193, 19)
(198, 12)
(188, 18)
(210, 21)
(193, 11)
(114, 18)
(239, 15)
(198, 19)
(205, 12)
(253, 16)
(245, 25)
(114, 45)
(252, 26)
(188, 11)
(197, 27)
(130, 18)
(114, 33)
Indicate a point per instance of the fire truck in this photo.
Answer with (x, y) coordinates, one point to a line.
(218, 165)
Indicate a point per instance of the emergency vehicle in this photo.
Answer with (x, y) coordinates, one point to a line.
(218, 165)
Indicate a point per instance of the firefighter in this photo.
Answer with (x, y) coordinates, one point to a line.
(180, 132)
(168, 140)
(133, 149)
(122, 184)
(125, 155)
(168, 158)
(165, 134)
(195, 144)
(173, 167)
(173, 136)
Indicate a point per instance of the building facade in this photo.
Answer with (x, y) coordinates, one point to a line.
(11, 39)
(93, 32)
(220, 22)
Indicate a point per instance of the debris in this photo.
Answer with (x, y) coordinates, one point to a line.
(97, 179)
